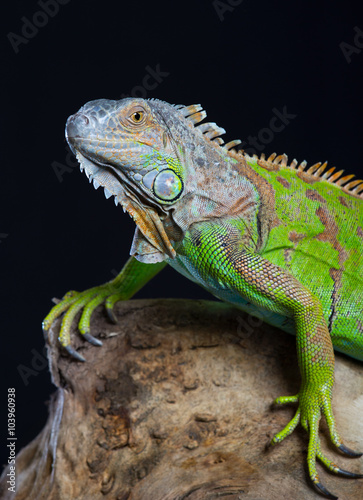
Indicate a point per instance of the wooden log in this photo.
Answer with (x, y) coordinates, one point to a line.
(177, 405)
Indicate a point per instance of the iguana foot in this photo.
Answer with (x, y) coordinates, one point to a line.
(72, 303)
(132, 277)
(313, 403)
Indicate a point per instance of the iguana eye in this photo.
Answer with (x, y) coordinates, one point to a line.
(167, 185)
(137, 116)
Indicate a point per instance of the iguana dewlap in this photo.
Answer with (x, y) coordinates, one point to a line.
(281, 241)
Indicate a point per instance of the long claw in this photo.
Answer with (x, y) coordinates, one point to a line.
(109, 304)
(324, 491)
(346, 473)
(347, 451)
(74, 353)
(111, 316)
(332, 467)
(92, 339)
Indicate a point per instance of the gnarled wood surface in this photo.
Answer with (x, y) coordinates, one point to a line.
(177, 405)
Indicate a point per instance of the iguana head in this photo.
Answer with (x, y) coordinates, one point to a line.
(152, 158)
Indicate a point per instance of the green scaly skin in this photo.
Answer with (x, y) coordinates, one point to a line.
(277, 240)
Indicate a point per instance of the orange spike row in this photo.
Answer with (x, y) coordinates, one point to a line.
(328, 173)
(284, 160)
(214, 133)
(313, 168)
(232, 144)
(352, 184)
(203, 127)
(321, 169)
(278, 159)
(189, 110)
(211, 130)
(358, 189)
(218, 140)
(281, 159)
(344, 179)
(318, 170)
(335, 176)
(197, 117)
(302, 166)
(271, 157)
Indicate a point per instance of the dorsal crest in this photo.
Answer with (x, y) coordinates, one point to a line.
(318, 171)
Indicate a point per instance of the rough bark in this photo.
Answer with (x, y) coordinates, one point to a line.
(176, 405)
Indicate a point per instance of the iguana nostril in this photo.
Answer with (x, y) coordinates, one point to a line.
(76, 123)
(79, 119)
(82, 119)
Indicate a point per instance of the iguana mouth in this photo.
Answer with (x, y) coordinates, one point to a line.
(114, 183)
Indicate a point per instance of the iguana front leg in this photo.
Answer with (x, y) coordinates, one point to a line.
(214, 254)
(133, 276)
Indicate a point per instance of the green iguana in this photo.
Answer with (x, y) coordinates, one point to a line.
(275, 239)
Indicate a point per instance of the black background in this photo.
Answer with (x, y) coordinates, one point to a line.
(240, 60)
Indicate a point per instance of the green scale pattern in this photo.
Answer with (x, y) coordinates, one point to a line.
(328, 260)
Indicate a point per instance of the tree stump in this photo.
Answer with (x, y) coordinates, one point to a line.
(177, 405)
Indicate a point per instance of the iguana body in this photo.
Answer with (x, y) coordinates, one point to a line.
(283, 242)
